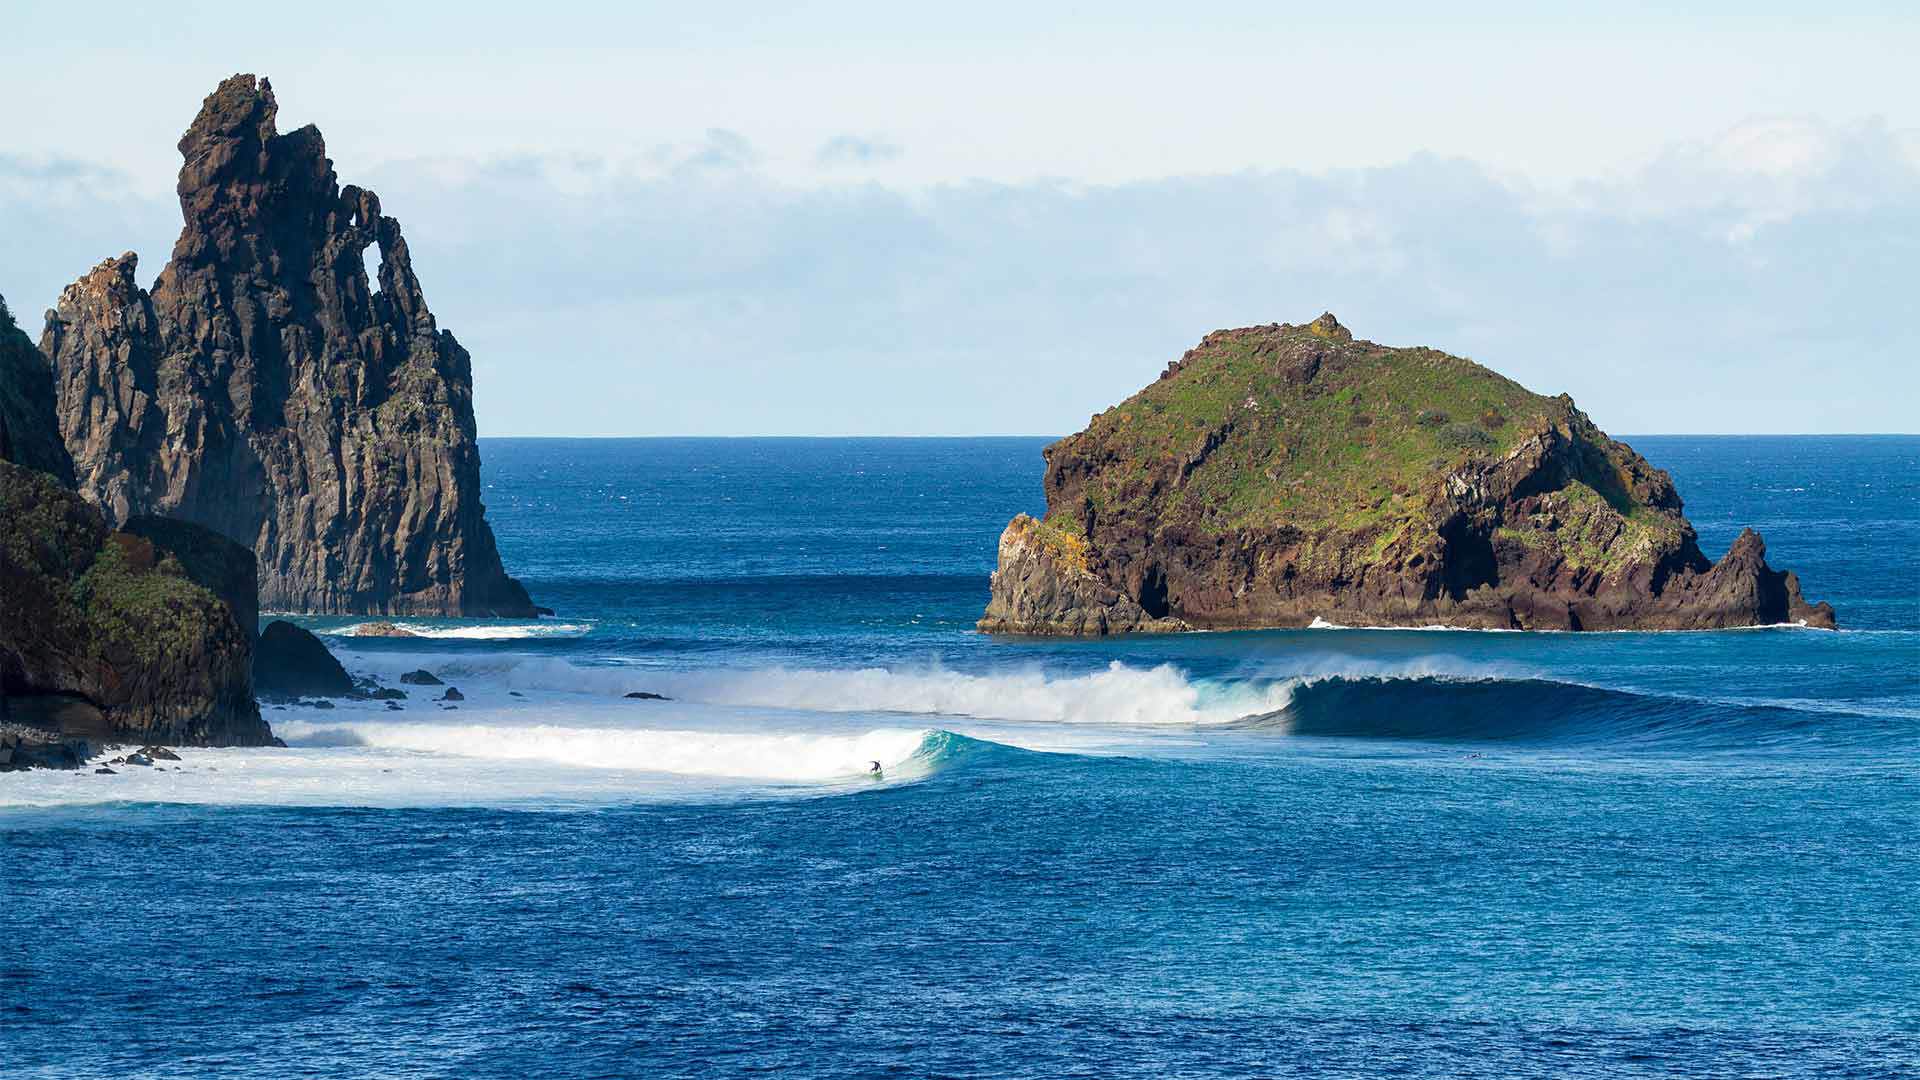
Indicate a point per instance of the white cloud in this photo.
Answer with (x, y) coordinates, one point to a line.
(1756, 280)
(844, 150)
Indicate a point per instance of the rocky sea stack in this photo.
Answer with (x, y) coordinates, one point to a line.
(267, 390)
(1279, 474)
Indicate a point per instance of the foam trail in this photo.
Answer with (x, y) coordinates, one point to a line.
(732, 754)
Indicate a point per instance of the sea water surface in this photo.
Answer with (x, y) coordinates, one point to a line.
(1325, 852)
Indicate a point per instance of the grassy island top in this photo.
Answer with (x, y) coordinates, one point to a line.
(1304, 426)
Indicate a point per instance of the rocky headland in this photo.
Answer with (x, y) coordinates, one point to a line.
(268, 390)
(1275, 475)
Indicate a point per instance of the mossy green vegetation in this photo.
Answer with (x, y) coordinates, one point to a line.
(1285, 426)
(144, 603)
(112, 590)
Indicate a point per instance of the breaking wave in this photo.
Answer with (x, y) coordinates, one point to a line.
(1547, 711)
(780, 756)
(1118, 695)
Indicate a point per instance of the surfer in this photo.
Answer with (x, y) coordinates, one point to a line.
(874, 770)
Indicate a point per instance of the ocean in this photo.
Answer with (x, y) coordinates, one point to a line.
(1328, 852)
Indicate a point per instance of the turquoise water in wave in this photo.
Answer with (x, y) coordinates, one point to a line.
(1313, 853)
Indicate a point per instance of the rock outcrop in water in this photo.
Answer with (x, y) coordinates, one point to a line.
(265, 390)
(291, 662)
(1276, 475)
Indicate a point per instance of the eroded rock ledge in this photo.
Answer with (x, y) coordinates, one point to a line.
(1278, 474)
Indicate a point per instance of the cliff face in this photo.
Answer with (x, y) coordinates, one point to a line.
(266, 390)
(28, 432)
(1279, 474)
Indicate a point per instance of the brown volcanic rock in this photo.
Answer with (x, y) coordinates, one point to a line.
(1279, 474)
(107, 635)
(264, 389)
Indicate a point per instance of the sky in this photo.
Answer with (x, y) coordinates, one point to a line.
(1001, 218)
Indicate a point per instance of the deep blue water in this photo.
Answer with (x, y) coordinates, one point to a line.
(1312, 853)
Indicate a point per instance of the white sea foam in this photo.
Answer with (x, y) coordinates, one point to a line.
(498, 750)
(488, 631)
(1119, 695)
(746, 755)
(543, 731)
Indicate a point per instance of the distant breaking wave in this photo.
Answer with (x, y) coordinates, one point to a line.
(1118, 695)
(1420, 701)
(1547, 711)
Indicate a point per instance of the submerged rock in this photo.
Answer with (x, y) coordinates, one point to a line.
(1276, 475)
(267, 390)
(420, 677)
(383, 693)
(642, 695)
(453, 694)
(291, 662)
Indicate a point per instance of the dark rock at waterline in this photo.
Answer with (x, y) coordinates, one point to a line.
(291, 662)
(265, 368)
(453, 694)
(387, 693)
(107, 634)
(322, 703)
(159, 753)
(104, 771)
(26, 747)
(643, 695)
(382, 629)
(515, 693)
(421, 677)
(394, 706)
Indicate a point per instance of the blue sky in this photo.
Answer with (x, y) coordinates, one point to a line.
(829, 219)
